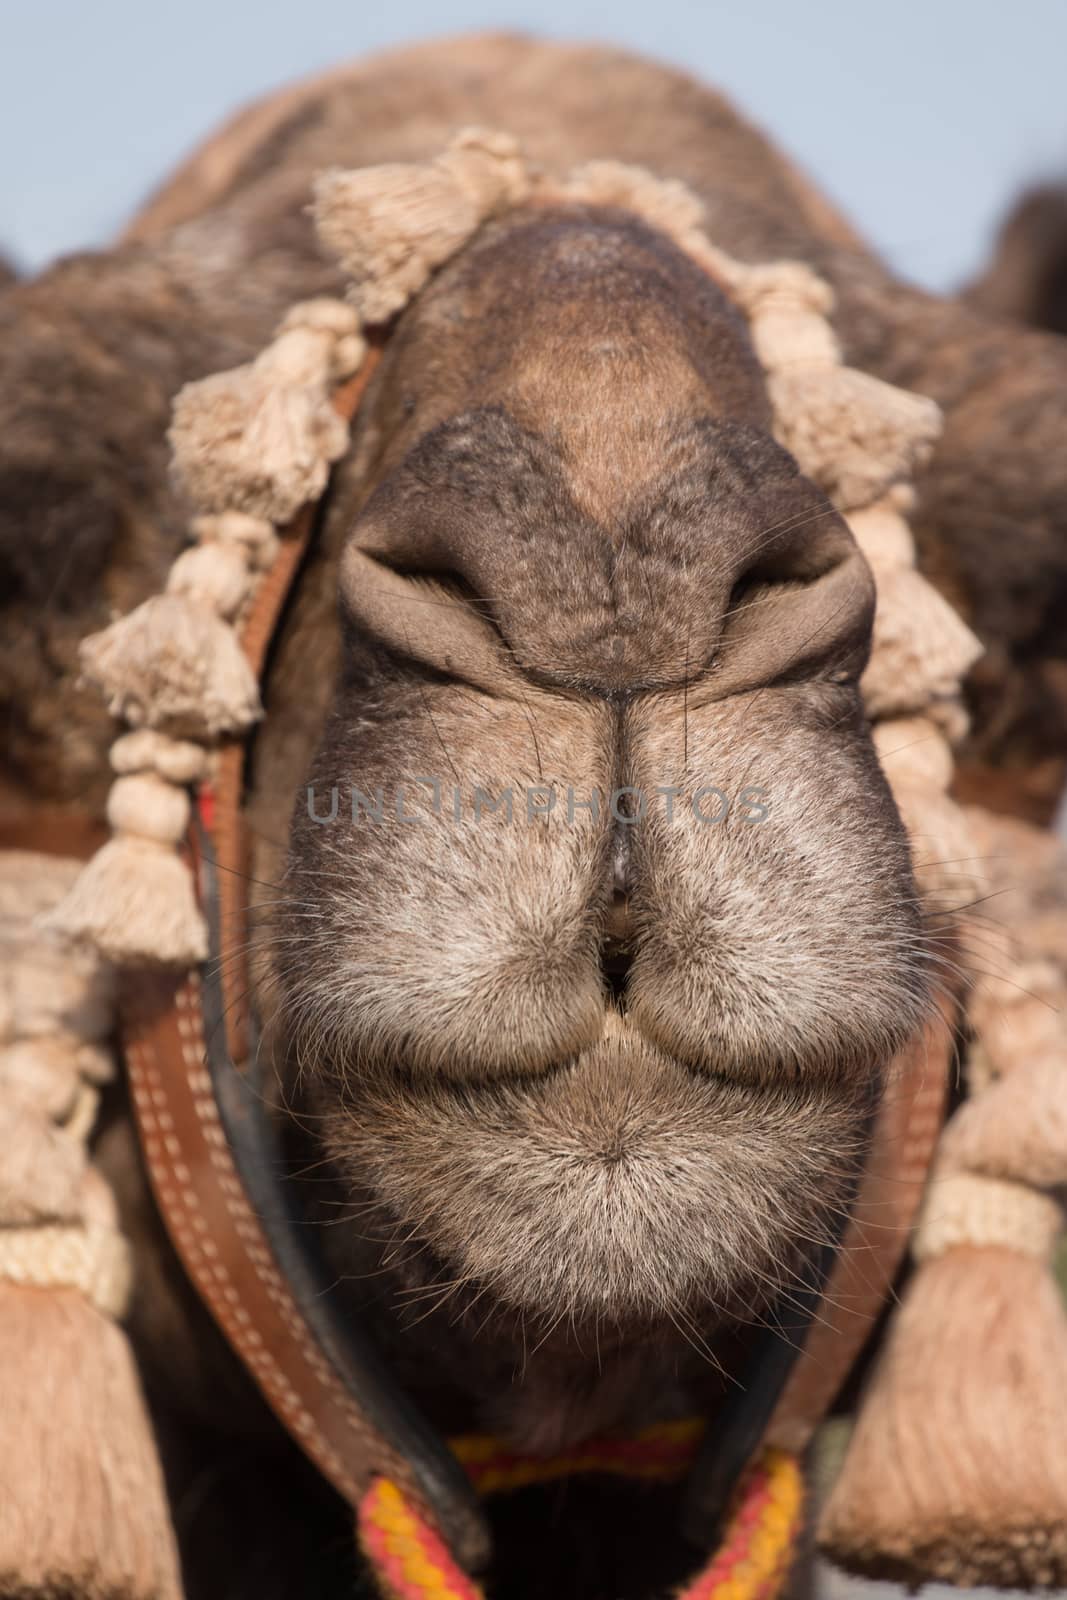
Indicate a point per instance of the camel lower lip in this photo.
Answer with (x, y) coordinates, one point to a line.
(616, 1188)
(619, 1029)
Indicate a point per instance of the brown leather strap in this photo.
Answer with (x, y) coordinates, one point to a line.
(227, 814)
(800, 1361)
(221, 1241)
(51, 831)
(876, 1239)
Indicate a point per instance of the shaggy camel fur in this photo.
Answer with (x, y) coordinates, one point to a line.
(568, 371)
(1026, 278)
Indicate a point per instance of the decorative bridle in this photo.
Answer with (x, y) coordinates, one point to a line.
(190, 1053)
(163, 900)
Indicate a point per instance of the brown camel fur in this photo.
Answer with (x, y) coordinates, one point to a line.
(1026, 278)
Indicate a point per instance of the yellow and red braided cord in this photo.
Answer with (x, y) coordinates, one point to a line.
(409, 1559)
(662, 1451)
(761, 1532)
(412, 1562)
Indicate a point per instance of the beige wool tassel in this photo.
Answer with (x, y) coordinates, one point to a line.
(178, 760)
(390, 227)
(854, 435)
(957, 1468)
(663, 203)
(922, 647)
(254, 536)
(250, 447)
(175, 666)
(134, 901)
(261, 439)
(135, 904)
(83, 1507)
(175, 670)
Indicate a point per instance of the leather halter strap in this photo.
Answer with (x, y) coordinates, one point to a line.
(188, 1045)
(52, 831)
(207, 1144)
(784, 1395)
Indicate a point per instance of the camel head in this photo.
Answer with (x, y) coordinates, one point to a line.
(598, 929)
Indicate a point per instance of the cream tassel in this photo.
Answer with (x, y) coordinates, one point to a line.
(214, 575)
(392, 226)
(42, 1170)
(135, 904)
(43, 1073)
(850, 433)
(83, 1509)
(250, 446)
(914, 752)
(922, 647)
(134, 901)
(178, 760)
(663, 203)
(1017, 1125)
(957, 1469)
(261, 439)
(174, 666)
(254, 536)
(81, 1249)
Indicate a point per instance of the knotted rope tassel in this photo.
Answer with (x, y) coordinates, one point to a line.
(83, 1507)
(251, 446)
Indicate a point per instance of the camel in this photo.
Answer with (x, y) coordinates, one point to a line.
(571, 1100)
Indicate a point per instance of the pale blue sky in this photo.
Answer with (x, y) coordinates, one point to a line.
(921, 117)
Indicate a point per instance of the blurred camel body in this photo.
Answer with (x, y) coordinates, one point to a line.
(1026, 278)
